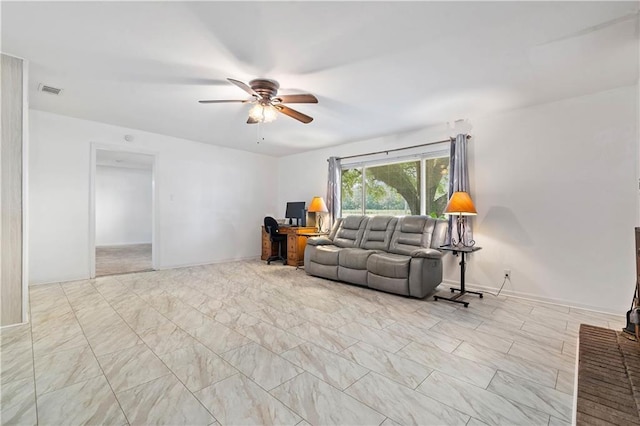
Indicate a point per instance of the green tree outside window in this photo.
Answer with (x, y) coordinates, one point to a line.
(394, 189)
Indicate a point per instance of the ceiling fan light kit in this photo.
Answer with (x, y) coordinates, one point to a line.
(263, 113)
(266, 102)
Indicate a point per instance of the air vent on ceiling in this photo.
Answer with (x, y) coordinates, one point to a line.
(48, 89)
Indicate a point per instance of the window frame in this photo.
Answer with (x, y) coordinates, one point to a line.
(436, 151)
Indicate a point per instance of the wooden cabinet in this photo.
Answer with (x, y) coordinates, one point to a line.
(296, 242)
(295, 248)
(267, 249)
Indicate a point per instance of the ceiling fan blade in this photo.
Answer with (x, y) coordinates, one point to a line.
(305, 98)
(221, 101)
(294, 114)
(244, 87)
(251, 121)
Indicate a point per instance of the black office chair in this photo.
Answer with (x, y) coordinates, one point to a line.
(271, 226)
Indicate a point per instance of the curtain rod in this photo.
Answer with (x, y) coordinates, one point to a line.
(387, 151)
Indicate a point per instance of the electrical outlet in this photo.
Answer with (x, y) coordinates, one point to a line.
(507, 274)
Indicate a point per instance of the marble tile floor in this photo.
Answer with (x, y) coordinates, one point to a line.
(123, 259)
(245, 343)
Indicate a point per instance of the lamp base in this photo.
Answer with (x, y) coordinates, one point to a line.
(461, 228)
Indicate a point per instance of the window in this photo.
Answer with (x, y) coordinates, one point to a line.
(351, 191)
(417, 186)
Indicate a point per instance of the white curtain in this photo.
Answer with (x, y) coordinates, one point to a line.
(459, 179)
(333, 189)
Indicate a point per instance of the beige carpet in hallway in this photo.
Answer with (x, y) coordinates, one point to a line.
(112, 260)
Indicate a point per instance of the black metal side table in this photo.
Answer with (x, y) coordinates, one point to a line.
(462, 291)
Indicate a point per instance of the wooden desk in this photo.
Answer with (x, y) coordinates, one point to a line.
(296, 242)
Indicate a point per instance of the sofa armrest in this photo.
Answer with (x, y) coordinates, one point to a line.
(319, 241)
(429, 253)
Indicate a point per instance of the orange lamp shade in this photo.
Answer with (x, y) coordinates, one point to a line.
(317, 205)
(460, 203)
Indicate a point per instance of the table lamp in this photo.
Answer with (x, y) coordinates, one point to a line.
(318, 206)
(460, 203)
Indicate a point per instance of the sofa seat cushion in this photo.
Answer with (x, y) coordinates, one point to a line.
(353, 276)
(354, 258)
(389, 265)
(325, 255)
(391, 285)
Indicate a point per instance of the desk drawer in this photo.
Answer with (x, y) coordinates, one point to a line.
(292, 246)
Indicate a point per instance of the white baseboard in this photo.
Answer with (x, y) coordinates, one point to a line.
(64, 280)
(533, 297)
(212, 262)
(121, 244)
(6, 327)
(162, 268)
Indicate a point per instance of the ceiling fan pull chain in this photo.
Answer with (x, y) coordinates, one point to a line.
(259, 137)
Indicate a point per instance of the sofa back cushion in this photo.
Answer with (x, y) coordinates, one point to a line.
(350, 231)
(438, 236)
(414, 232)
(334, 229)
(377, 234)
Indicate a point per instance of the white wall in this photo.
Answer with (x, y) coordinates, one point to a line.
(123, 205)
(212, 200)
(556, 191)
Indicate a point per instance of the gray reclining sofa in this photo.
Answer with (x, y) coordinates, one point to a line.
(394, 254)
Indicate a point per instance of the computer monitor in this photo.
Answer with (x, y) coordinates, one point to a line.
(295, 210)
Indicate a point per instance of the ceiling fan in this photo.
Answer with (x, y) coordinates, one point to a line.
(266, 102)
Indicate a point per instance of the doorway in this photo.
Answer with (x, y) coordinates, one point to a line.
(123, 206)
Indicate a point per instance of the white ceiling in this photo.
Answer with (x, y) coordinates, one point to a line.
(376, 67)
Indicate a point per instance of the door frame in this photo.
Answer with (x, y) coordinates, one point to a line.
(25, 190)
(155, 228)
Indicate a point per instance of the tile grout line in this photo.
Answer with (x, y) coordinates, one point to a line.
(385, 415)
(93, 352)
(247, 292)
(219, 355)
(171, 372)
(517, 403)
(279, 400)
(33, 358)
